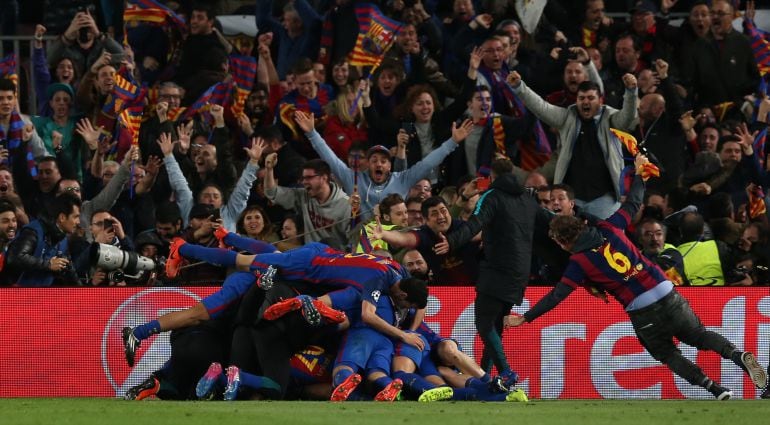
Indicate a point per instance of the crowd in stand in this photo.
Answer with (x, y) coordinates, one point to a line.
(395, 159)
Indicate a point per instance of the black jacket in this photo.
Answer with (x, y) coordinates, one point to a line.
(21, 253)
(506, 213)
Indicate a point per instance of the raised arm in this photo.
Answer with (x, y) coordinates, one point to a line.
(626, 118)
(370, 317)
(552, 115)
(306, 122)
(182, 192)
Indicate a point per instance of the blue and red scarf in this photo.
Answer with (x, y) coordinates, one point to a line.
(14, 137)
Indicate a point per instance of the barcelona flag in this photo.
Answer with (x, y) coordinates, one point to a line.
(629, 143)
(757, 207)
(376, 35)
(218, 94)
(150, 12)
(760, 47)
(131, 119)
(244, 70)
(8, 69)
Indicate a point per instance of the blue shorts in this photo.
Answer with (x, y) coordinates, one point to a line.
(345, 299)
(366, 349)
(234, 287)
(422, 359)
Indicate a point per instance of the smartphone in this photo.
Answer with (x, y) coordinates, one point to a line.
(215, 215)
(109, 225)
(482, 183)
(409, 128)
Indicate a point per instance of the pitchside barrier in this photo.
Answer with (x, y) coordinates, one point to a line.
(65, 342)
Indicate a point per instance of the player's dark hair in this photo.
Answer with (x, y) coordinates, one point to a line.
(271, 133)
(416, 291)
(429, 203)
(691, 227)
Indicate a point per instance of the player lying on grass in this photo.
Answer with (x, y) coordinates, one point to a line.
(605, 260)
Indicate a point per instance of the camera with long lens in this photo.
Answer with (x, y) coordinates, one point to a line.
(121, 264)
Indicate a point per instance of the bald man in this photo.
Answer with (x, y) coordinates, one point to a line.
(659, 130)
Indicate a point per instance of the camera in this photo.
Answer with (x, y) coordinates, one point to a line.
(121, 264)
(109, 224)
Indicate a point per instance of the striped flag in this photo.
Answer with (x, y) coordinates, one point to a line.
(759, 146)
(757, 205)
(8, 69)
(376, 35)
(244, 70)
(286, 115)
(150, 12)
(629, 142)
(760, 47)
(131, 120)
(218, 94)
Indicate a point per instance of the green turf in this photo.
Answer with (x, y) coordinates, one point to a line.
(118, 412)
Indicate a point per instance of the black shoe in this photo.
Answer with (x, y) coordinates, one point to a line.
(130, 344)
(146, 388)
(720, 392)
(765, 394)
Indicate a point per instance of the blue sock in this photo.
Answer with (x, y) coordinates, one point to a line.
(258, 382)
(147, 330)
(244, 243)
(341, 376)
(358, 395)
(488, 396)
(464, 394)
(216, 256)
(485, 378)
(476, 383)
(414, 382)
(381, 383)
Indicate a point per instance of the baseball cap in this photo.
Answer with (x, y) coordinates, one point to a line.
(642, 6)
(201, 211)
(378, 149)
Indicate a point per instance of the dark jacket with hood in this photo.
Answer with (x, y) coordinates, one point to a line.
(506, 213)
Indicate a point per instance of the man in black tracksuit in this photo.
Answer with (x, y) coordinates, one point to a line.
(506, 213)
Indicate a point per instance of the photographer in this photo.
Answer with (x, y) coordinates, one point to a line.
(105, 229)
(41, 253)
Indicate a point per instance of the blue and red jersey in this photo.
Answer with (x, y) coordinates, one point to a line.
(616, 266)
(318, 263)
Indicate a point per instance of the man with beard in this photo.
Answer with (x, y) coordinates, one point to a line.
(586, 142)
(325, 208)
(8, 227)
(575, 72)
(652, 237)
(378, 181)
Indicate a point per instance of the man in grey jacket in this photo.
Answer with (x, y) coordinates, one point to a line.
(589, 158)
(324, 207)
(378, 181)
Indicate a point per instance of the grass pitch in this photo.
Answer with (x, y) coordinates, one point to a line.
(573, 412)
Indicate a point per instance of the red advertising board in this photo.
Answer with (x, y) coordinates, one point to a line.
(66, 342)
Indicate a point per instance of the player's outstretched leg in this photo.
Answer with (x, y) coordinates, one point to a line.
(180, 249)
(207, 385)
(242, 243)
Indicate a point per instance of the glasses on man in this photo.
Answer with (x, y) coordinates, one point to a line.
(72, 189)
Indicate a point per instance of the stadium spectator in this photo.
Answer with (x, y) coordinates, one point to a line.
(414, 212)
(378, 179)
(292, 233)
(586, 141)
(40, 255)
(652, 238)
(8, 228)
(344, 123)
(84, 43)
(298, 34)
(324, 206)
(254, 223)
(449, 268)
(706, 262)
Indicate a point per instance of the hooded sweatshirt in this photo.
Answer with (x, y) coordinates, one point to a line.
(329, 220)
